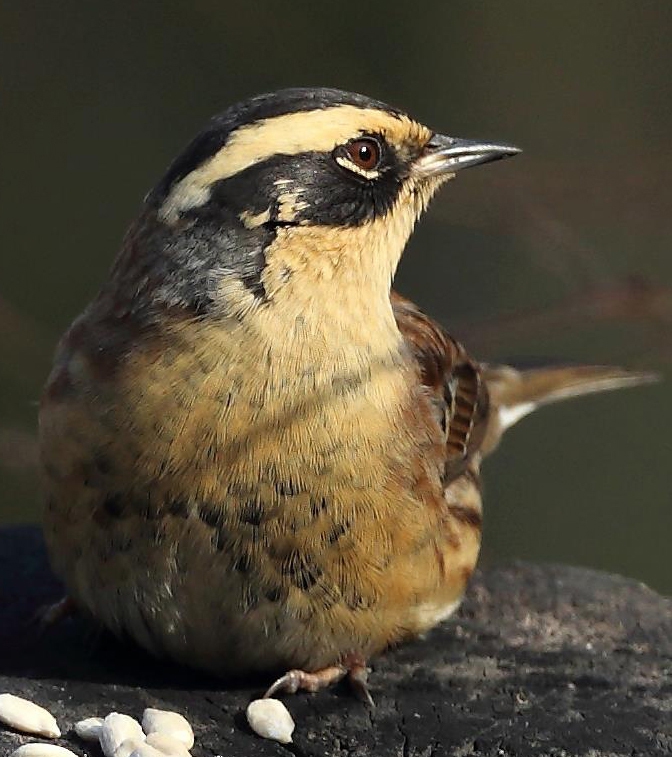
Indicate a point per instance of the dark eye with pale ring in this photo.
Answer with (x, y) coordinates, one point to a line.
(364, 153)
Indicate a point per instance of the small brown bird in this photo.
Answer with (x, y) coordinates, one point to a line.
(256, 456)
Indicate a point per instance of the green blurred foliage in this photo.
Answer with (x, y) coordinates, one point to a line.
(563, 252)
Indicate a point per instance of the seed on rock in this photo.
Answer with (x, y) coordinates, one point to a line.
(27, 716)
(126, 748)
(168, 723)
(167, 745)
(42, 750)
(89, 729)
(270, 719)
(146, 750)
(116, 729)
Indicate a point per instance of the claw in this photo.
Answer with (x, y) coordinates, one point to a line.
(294, 680)
(358, 676)
(288, 684)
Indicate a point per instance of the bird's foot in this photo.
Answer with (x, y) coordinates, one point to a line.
(354, 667)
(294, 680)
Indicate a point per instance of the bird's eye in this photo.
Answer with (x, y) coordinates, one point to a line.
(364, 153)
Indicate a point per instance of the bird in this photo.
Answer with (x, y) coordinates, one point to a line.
(256, 456)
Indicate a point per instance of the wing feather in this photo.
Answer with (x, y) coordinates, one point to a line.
(458, 391)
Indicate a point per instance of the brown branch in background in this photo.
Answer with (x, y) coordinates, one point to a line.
(558, 248)
(632, 300)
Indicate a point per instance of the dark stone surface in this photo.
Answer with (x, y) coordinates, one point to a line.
(540, 660)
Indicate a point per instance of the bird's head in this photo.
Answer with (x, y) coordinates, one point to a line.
(299, 195)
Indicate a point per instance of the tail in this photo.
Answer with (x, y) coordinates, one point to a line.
(516, 393)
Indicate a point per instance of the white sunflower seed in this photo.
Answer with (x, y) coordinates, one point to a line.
(42, 750)
(116, 729)
(126, 748)
(27, 716)
(168, 723)
(167, 745)
(146, 750)
(89, 729)
(270, 719)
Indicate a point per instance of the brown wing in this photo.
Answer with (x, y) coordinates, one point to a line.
(458, 391)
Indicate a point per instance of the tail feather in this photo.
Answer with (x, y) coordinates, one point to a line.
(516, 393)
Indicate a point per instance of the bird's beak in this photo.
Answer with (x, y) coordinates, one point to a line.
(446, 155)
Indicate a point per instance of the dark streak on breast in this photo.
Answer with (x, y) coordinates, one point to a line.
(252, 513)
(467, 515)
(211, 515)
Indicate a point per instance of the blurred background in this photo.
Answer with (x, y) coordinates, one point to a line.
(563, 252)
